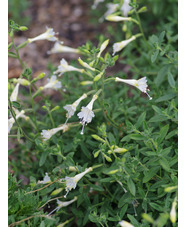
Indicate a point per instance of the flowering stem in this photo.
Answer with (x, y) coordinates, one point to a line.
(34, 113)
(17, 52)
(51, 118)
(107, 142)
(141, 29)
(14, 116)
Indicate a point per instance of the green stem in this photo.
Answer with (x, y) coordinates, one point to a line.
(34, 113)
(14, 116)
(107, 142)
(51, 118)
(141, 29)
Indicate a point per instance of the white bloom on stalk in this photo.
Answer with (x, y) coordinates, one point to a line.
(47, 134)
(120, 45)
(45, 180)
(60, 48)
(173, 212)
(86, 113)
(125, 224)
(63, 204)
(126, 8)
(115, 18)
(72, 108)
(11, 121)
(141, 84)
(71, 182)
(14, 94)
(111, 8)
(65, 67)
(96, 2)
(53, 83)
(48, 35)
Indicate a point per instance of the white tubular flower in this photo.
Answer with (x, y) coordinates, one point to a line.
(173, 212)
(141, 84)
(53, 83)
(48, 35)
(14, 94)
(84, 64)
(47, 134)
(86, 113)
(59, 48)
(72, 108)
(126, 8)
(125, 224)
(62, 204)
(117, 18)
(120, 45)
(103, 46)
(71, 182)
(96, 2)
(111, 8)
(65, 67)
(45, 180)
(11, 121)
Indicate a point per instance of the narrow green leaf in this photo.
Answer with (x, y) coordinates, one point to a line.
(161, 75)
(163, 133)
(171, 80)
(133, 220)
(140, 119)
(166, 97)
(154, 56)
(131, 186)
(137, 137)
(165, 164)
(12, 55)
(43, 158)
(17, 105)
(150, 174)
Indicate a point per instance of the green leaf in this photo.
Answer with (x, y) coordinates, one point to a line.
(17, 105)
(12, 55)
(156, 109)
(171, 80)
(156, 206)
(131, 186)
(133, 220)
(162, 134)
(166, 97)
(161, 37)
(43, 158)
(137, 137)
(161, 75)
(158, 118)
(140, 119)
(165, 164)
(150, 174)
(154, 55)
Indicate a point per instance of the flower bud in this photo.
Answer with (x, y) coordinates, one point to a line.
(98, 138)
(98, 77)
(113, 171)
(72, 169)
(40, 76)
(86, 82)
(142, 9)
(84, 64)
(23, 28)
(107, 158)
(96, 153)
(22, 45)
(147, 218)
(57, 191)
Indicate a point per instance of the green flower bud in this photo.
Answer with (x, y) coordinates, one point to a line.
(142, 9)
(86, 83)
(96, 153)
(57, 191)
(98, 138)
(98, 77)
(23, 28)
(147, 218)
(107, 158)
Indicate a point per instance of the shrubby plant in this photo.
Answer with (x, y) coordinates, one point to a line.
(105, 153)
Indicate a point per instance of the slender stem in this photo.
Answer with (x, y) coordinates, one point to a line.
(141, 29)
(34, 113)
(51, 118)
(14, 116)
(107, 142)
